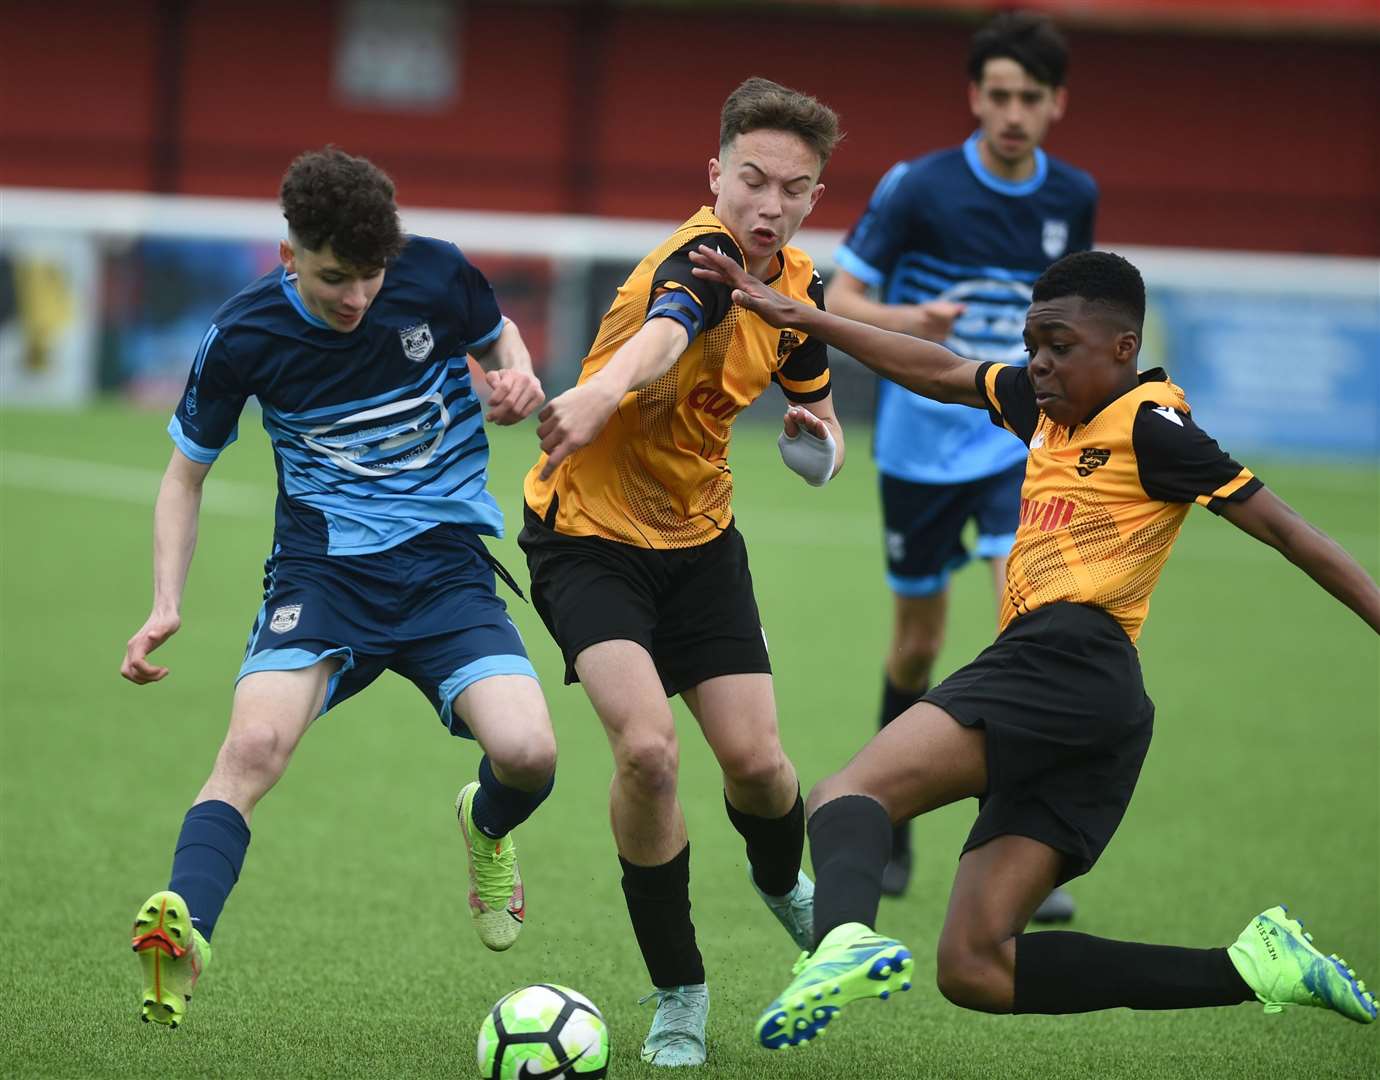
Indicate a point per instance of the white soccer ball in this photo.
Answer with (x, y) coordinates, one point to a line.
(543, 1031)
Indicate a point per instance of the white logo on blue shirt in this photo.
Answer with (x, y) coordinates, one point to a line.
(417, 342)
(1055, 238)
(384, 440)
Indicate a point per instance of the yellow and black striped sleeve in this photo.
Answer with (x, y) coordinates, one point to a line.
(804, 375)
(1010, 398)
(1180, 462)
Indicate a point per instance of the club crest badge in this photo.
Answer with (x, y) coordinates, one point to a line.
(417, 342)
(285, 618)
(1055, 238)
(788, 340)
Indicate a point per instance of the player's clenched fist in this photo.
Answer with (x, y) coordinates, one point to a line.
(156, 630)
(513, 395)
(571, 421)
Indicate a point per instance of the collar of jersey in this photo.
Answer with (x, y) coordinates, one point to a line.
(996, 183)
(295, 298)
(1142, 377)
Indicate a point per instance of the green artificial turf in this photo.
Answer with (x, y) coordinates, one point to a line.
(346, 948)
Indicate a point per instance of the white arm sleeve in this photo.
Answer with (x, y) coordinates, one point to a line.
(809, 455)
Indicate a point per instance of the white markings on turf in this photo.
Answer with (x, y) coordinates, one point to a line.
(124, 483)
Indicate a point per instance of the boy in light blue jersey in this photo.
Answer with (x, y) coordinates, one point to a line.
(952, 241)
(356, 351)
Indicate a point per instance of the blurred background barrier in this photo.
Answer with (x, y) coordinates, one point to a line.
(111, 293)
(1233, 141)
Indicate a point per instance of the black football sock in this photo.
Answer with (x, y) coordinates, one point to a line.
(1062, 972)
(895, 701)
(850, 838)
(774, 845)
(659, 904)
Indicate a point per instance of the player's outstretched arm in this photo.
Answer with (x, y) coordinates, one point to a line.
(921, 366)
(932, 320)
(1272, 521)
(174, 539)
(514, 389)
(575, 418)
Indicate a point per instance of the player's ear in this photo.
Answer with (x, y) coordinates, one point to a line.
(1061, 102)
(1126, 346)
(287, 256)
(974, 98)
(715, 172)
(815, 193)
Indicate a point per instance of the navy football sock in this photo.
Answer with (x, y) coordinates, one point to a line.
(498, 808)
(206, 865)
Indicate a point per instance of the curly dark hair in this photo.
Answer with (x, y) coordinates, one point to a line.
(330, 197)
(1027, 37)
(1100, 277)
(759, 104)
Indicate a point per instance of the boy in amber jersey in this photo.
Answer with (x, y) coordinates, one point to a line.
(1049, 725)
(637, 568)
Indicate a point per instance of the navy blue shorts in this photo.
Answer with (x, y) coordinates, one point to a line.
(924, 527)
(426, 609)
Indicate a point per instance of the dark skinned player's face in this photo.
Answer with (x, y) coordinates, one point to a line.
(1081, 355)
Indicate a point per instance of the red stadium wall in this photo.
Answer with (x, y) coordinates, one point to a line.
(1265, 143)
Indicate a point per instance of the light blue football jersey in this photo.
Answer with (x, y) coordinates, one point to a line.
(942, 227)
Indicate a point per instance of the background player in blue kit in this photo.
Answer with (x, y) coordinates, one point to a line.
(356, 350)
(953, 242)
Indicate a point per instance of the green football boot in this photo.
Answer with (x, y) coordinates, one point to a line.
(1278, 961)
(851, 963)
(172, 955)
(496, 898)
(677, 1033)
(795, 911)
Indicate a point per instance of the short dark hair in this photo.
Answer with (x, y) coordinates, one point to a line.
(759, 104)
(330, 197)
(1100, 277)
(1027, 37)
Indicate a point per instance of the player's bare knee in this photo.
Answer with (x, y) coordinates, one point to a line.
(256, 749)
(967, 977)
(915, 656)
(648, 764)
(829, 789)
(753, 769)
(526, 763)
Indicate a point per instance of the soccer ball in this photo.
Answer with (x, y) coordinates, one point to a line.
(543, 1031)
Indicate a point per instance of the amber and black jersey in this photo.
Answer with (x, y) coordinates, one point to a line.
(1103, 502)
(657, 476)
